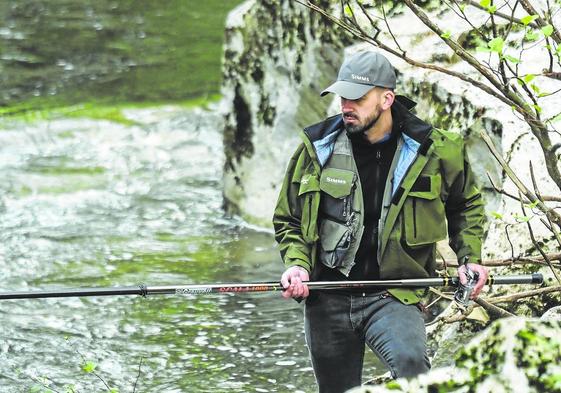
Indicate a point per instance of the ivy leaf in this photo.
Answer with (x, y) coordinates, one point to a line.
(547, 30)
(528, 19)
(89, 367)
(496, 45)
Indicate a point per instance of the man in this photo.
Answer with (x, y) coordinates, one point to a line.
(366, 196)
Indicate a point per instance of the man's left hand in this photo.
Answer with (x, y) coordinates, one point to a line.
(482, 279)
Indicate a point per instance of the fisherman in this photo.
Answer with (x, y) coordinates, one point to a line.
(366, 196)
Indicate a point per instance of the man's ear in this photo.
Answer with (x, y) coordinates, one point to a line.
(388, 98)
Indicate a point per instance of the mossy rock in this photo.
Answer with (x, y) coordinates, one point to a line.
(512, 355)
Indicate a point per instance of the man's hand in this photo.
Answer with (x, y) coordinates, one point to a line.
(292, 281)
(482, 279)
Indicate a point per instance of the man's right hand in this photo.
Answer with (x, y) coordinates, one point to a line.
(292, 281)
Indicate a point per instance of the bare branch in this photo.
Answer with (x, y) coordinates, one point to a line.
(493, 310)
(525, 294)
(555, 217)
(538, 247)
(499, 14)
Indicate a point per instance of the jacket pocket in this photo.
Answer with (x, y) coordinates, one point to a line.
(309, 196)
(423, 210)
(335, 240)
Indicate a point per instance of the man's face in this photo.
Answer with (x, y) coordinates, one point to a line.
(361, 114)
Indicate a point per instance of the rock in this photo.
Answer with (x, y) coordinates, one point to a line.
(512, 355)
(553, 314)
(278, 56)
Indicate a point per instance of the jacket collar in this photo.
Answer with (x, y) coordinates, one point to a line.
(322, 135)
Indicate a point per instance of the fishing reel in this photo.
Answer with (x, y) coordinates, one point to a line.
(464, 291)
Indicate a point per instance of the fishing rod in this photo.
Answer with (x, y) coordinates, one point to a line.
(197, 289)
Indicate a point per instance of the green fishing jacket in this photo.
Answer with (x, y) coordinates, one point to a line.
(430, 194)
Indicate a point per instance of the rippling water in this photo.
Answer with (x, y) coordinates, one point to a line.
(89, 203)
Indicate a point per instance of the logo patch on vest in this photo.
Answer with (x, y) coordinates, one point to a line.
(335, 180)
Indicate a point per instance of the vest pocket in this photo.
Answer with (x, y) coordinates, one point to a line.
(424, 215)
(335, 240)
(337, 187)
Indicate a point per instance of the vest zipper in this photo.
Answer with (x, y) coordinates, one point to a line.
(415, 218)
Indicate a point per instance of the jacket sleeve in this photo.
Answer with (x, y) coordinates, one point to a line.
(465, 211)
(287, 218)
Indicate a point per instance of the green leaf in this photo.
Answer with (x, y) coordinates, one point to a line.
(528, 78)
(521, 219)
(537, 108)
(496, 45)
(511, 59)
(497, 215)
(483, 49)
(485, 3)
(531, 205)
(113, 390)
(89, 367)
(492, 9)
(462, 7)
(536, 88)
(528, 19)
(446, 34)
(531, 35)
(547, 30)
(348, 11)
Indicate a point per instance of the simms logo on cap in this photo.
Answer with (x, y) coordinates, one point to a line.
(360, 78)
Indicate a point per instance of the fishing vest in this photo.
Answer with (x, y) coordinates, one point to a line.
(341, 208)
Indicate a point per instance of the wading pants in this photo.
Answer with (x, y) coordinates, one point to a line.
(338, 326)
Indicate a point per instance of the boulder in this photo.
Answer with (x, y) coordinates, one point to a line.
(517, 355)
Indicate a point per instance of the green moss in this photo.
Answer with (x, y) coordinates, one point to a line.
(138, 51)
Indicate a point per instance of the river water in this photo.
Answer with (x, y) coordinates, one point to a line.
(88, 203)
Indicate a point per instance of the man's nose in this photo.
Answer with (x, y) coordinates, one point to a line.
(347, 104)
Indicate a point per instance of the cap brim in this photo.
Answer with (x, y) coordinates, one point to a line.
(348, 90)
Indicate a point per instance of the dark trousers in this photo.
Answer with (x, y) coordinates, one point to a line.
(338, 326)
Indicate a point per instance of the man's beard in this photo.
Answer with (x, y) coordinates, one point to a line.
(362, 127)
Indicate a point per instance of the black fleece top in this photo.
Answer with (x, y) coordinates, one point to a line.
(373, 161)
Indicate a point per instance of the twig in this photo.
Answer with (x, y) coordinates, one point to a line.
(520, 260)
(500, 14)
(545, 198)
(493, 310)
(538, 247)
(525, 294)
(555, 217)
(138, 375)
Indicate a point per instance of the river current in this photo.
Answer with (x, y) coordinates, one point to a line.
(87, 203)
